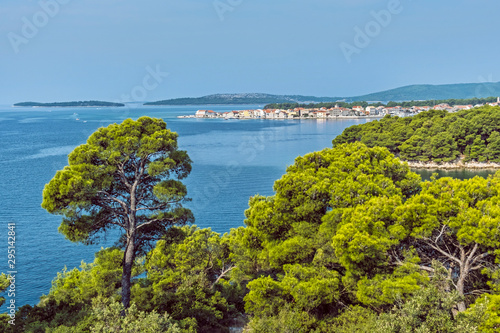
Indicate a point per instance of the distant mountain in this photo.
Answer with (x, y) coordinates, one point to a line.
(430, 92)
(251, 98)
(71, 104)
(415, 92)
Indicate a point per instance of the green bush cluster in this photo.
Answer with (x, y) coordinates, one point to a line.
(436, 136)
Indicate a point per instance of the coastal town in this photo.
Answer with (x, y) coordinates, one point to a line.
(331, 113)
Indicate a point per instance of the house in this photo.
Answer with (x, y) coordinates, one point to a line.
(497, 102)
(322, 114)
(371, 110)
(201, 114)
(461, 107)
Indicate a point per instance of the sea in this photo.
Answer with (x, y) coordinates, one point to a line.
(233, 160)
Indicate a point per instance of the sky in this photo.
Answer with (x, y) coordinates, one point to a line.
(129, 50)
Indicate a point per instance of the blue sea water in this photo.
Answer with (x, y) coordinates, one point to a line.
(232, 161)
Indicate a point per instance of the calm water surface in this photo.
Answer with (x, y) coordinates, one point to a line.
(233, 160)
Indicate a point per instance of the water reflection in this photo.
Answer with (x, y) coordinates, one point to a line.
(459, 173)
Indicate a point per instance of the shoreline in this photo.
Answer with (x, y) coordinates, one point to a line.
(293, 118)
(453, 165)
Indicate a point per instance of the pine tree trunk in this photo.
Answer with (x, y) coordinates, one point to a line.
(128, 261)
(460, 288)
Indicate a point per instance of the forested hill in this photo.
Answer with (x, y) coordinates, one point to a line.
(436, 136)
(417, 92)
(407, 104)
(243, 99)
(71, 104)
(429, 92)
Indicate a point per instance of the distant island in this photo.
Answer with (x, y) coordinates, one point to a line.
(252, 98)
(71, 104)
(418, 92)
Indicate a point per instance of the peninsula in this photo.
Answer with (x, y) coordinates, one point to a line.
(436, 139)
(82, 104)
(340, 110)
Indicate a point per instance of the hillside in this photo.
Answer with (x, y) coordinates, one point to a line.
(430, 92)
(408, 93)
(434, 136)
(243, 99)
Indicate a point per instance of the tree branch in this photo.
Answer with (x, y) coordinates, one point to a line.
(121, 173)
(223, 273)
(110, 197)
(153, 221)
(476, 259)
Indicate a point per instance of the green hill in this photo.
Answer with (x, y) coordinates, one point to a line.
(436, 136)
(430, 92)
(228, 99)
(418, 92)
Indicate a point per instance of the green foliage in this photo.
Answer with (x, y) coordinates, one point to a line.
(126, 176)
(284, 320)
(353, 226)
(188, 277)
(286, 251)
(405, 104)
(434, 135)
(100, 278)
(4, 284)
(487, 309)
(108, 318)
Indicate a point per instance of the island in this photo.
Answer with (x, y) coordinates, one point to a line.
(70, 104)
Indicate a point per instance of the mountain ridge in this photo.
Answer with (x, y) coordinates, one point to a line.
(413, 92)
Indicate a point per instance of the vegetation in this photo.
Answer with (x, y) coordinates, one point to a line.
(430, 93)
(126, 176)
(406, 104)
(240, 99)
(436, 136)
(351, 241)
(71, 104)
(424, 92)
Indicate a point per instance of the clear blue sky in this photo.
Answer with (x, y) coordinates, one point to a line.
(104, 49)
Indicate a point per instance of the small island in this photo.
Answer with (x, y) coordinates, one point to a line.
(82, 104)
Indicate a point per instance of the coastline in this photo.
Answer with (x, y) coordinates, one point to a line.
(460, 164)
(288, 118)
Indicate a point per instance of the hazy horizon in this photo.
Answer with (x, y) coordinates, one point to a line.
(124, 51)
